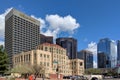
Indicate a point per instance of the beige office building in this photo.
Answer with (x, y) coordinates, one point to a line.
(59, 59)
(53, 58)
(77, 66)
(33, 57)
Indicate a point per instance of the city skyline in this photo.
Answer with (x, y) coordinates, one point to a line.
(90, 21)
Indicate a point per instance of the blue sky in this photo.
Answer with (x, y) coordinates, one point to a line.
(97, 18)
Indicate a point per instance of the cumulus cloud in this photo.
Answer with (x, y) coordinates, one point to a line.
(93, 48)
(53, 25)
(67, 23)
(42, 22)
(2, 23)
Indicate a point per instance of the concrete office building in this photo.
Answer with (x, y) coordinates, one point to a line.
(87, 56)
(46, 39)
(21, 33)
(70, 44)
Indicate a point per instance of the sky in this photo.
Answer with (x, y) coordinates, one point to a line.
(85, 20)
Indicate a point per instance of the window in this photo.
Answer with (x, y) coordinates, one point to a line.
(74, 62)
(50, 50)
(56, 50)
(45, 48)
(40, 63)
(29, 57)
(44, 64)
(47, 64)
(34, 56)
(47, 56)
(21, 58)
(40, 55)
(44, 56)
(81, 63)
(24, 58)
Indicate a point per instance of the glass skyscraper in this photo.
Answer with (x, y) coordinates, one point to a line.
(70, 44)
(87, 56)
(107, 48)
(118, 52)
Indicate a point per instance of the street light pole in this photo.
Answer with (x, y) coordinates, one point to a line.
(58, 71)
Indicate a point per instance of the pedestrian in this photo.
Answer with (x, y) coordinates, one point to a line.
(33, 76)
(30, 77)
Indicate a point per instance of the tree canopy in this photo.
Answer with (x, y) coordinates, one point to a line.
(93, 71)
(28, 69)
(3, 60)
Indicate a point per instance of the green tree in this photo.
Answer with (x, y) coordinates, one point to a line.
(37, 70)
(93, 71)
(3, 60)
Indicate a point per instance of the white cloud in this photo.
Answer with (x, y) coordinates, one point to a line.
(1, 42)
(53, 25)
(42, 22)
(93, 48)
(94, 64)
(2, 23)
(67, 23)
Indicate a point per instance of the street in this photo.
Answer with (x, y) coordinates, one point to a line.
(112, 79)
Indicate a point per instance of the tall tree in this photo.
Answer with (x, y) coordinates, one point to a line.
(3, 60)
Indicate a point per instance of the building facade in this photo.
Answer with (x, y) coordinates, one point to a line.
(77, 66)
(59, 58)
(21, 33)
(70, 44)
(87, 56)
(33, 57)
(53, 57)
(102, 58)
(107, 47)
(118, 52)
(46, 39)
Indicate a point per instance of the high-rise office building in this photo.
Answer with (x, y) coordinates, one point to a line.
(107, 47)
(70, 44)
(46, 39)
(118, 52)
(102, 60)
(87, 56)
(21, 33)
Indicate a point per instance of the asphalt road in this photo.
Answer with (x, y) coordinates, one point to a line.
(112, 79)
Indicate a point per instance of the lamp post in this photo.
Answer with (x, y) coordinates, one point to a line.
(57, 69)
